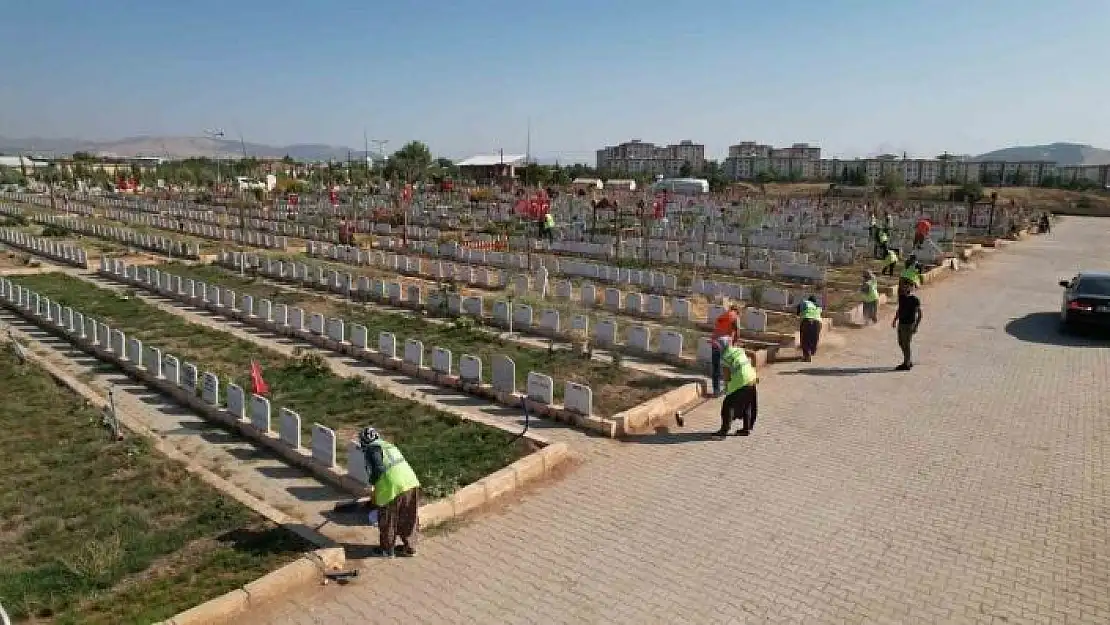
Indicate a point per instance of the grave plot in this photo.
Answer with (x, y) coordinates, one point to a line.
(100, 532)
(14, 259)
(668, 345)
(617, 293)
(615, 389)
(446, 451)
(143, 238)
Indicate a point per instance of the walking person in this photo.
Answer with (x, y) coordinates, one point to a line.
(726, 331)
(549, 226)
(740, 401)
(906, 319)
(809, 328)
(891, 262)
(396, 494)
(870, 290)
(882, 243)
(921, 232)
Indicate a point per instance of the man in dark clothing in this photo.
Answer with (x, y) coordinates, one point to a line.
(906, 319)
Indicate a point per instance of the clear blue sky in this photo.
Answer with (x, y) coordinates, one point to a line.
(854, 76)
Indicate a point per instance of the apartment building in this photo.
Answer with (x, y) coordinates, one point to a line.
(638, 157)
(748, 159)
(1096, 174)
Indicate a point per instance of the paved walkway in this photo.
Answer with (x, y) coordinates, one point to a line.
(970, 490)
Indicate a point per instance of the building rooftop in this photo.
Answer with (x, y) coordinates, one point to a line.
(489, 160)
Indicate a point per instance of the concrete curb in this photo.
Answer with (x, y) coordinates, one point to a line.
(302, 573)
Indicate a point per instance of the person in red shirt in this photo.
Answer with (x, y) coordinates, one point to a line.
(921, 232)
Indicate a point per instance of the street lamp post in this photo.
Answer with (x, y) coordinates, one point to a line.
(217, 133)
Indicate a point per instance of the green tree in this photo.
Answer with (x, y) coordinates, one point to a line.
(411, 162)
(891, 183)
(1019, 179)
(764, 177)
(11, 175)
(686, 170)
(560, 176)
(970, 192)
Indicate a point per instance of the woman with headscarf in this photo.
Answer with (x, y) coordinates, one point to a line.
(809, 328)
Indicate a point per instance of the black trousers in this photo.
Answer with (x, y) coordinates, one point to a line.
(740, 404)
(809, 331)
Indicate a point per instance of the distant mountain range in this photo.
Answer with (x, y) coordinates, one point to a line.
(1061, 153)
(176, 147)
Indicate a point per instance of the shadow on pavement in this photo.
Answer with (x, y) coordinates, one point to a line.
(1044, 328)
(838, 371)
(664, 436)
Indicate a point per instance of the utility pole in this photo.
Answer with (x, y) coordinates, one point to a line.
(243, 198)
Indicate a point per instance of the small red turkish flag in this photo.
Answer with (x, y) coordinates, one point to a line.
(260, 386)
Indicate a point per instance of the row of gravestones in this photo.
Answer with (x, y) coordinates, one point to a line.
(570, 267)
(757, 260)
(243, 406)
(539, 387)
(505, 314)
(162, 245)
(633, 303)
(771, 297)
(253, 238)
(55, 250)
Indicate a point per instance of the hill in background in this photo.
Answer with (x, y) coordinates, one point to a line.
(176, 147)
(1061, 153)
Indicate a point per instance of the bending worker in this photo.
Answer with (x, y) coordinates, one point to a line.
(809, 328)
(396, 493)
(870, 291)
(912, 271)
(740, 397)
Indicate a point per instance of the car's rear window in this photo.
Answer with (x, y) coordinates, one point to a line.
(1093, 286)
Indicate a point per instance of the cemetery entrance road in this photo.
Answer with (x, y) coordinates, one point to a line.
(969, 490)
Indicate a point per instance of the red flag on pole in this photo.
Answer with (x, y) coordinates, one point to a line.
(260, 386)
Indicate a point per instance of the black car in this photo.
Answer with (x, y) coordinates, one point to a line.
(1086, 300)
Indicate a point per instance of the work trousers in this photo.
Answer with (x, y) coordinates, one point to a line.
(905, 337)
(740, 404)
(871, 311)
(398, 519)
(810, 334)
(715, 369)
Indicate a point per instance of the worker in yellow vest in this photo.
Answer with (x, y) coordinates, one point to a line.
(396, 493)
(740, 397)
(870, 291)
(549, 226)
(891, 261)
(809, 328)
(912, 271)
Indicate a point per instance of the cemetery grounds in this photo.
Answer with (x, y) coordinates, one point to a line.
(100, 532)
